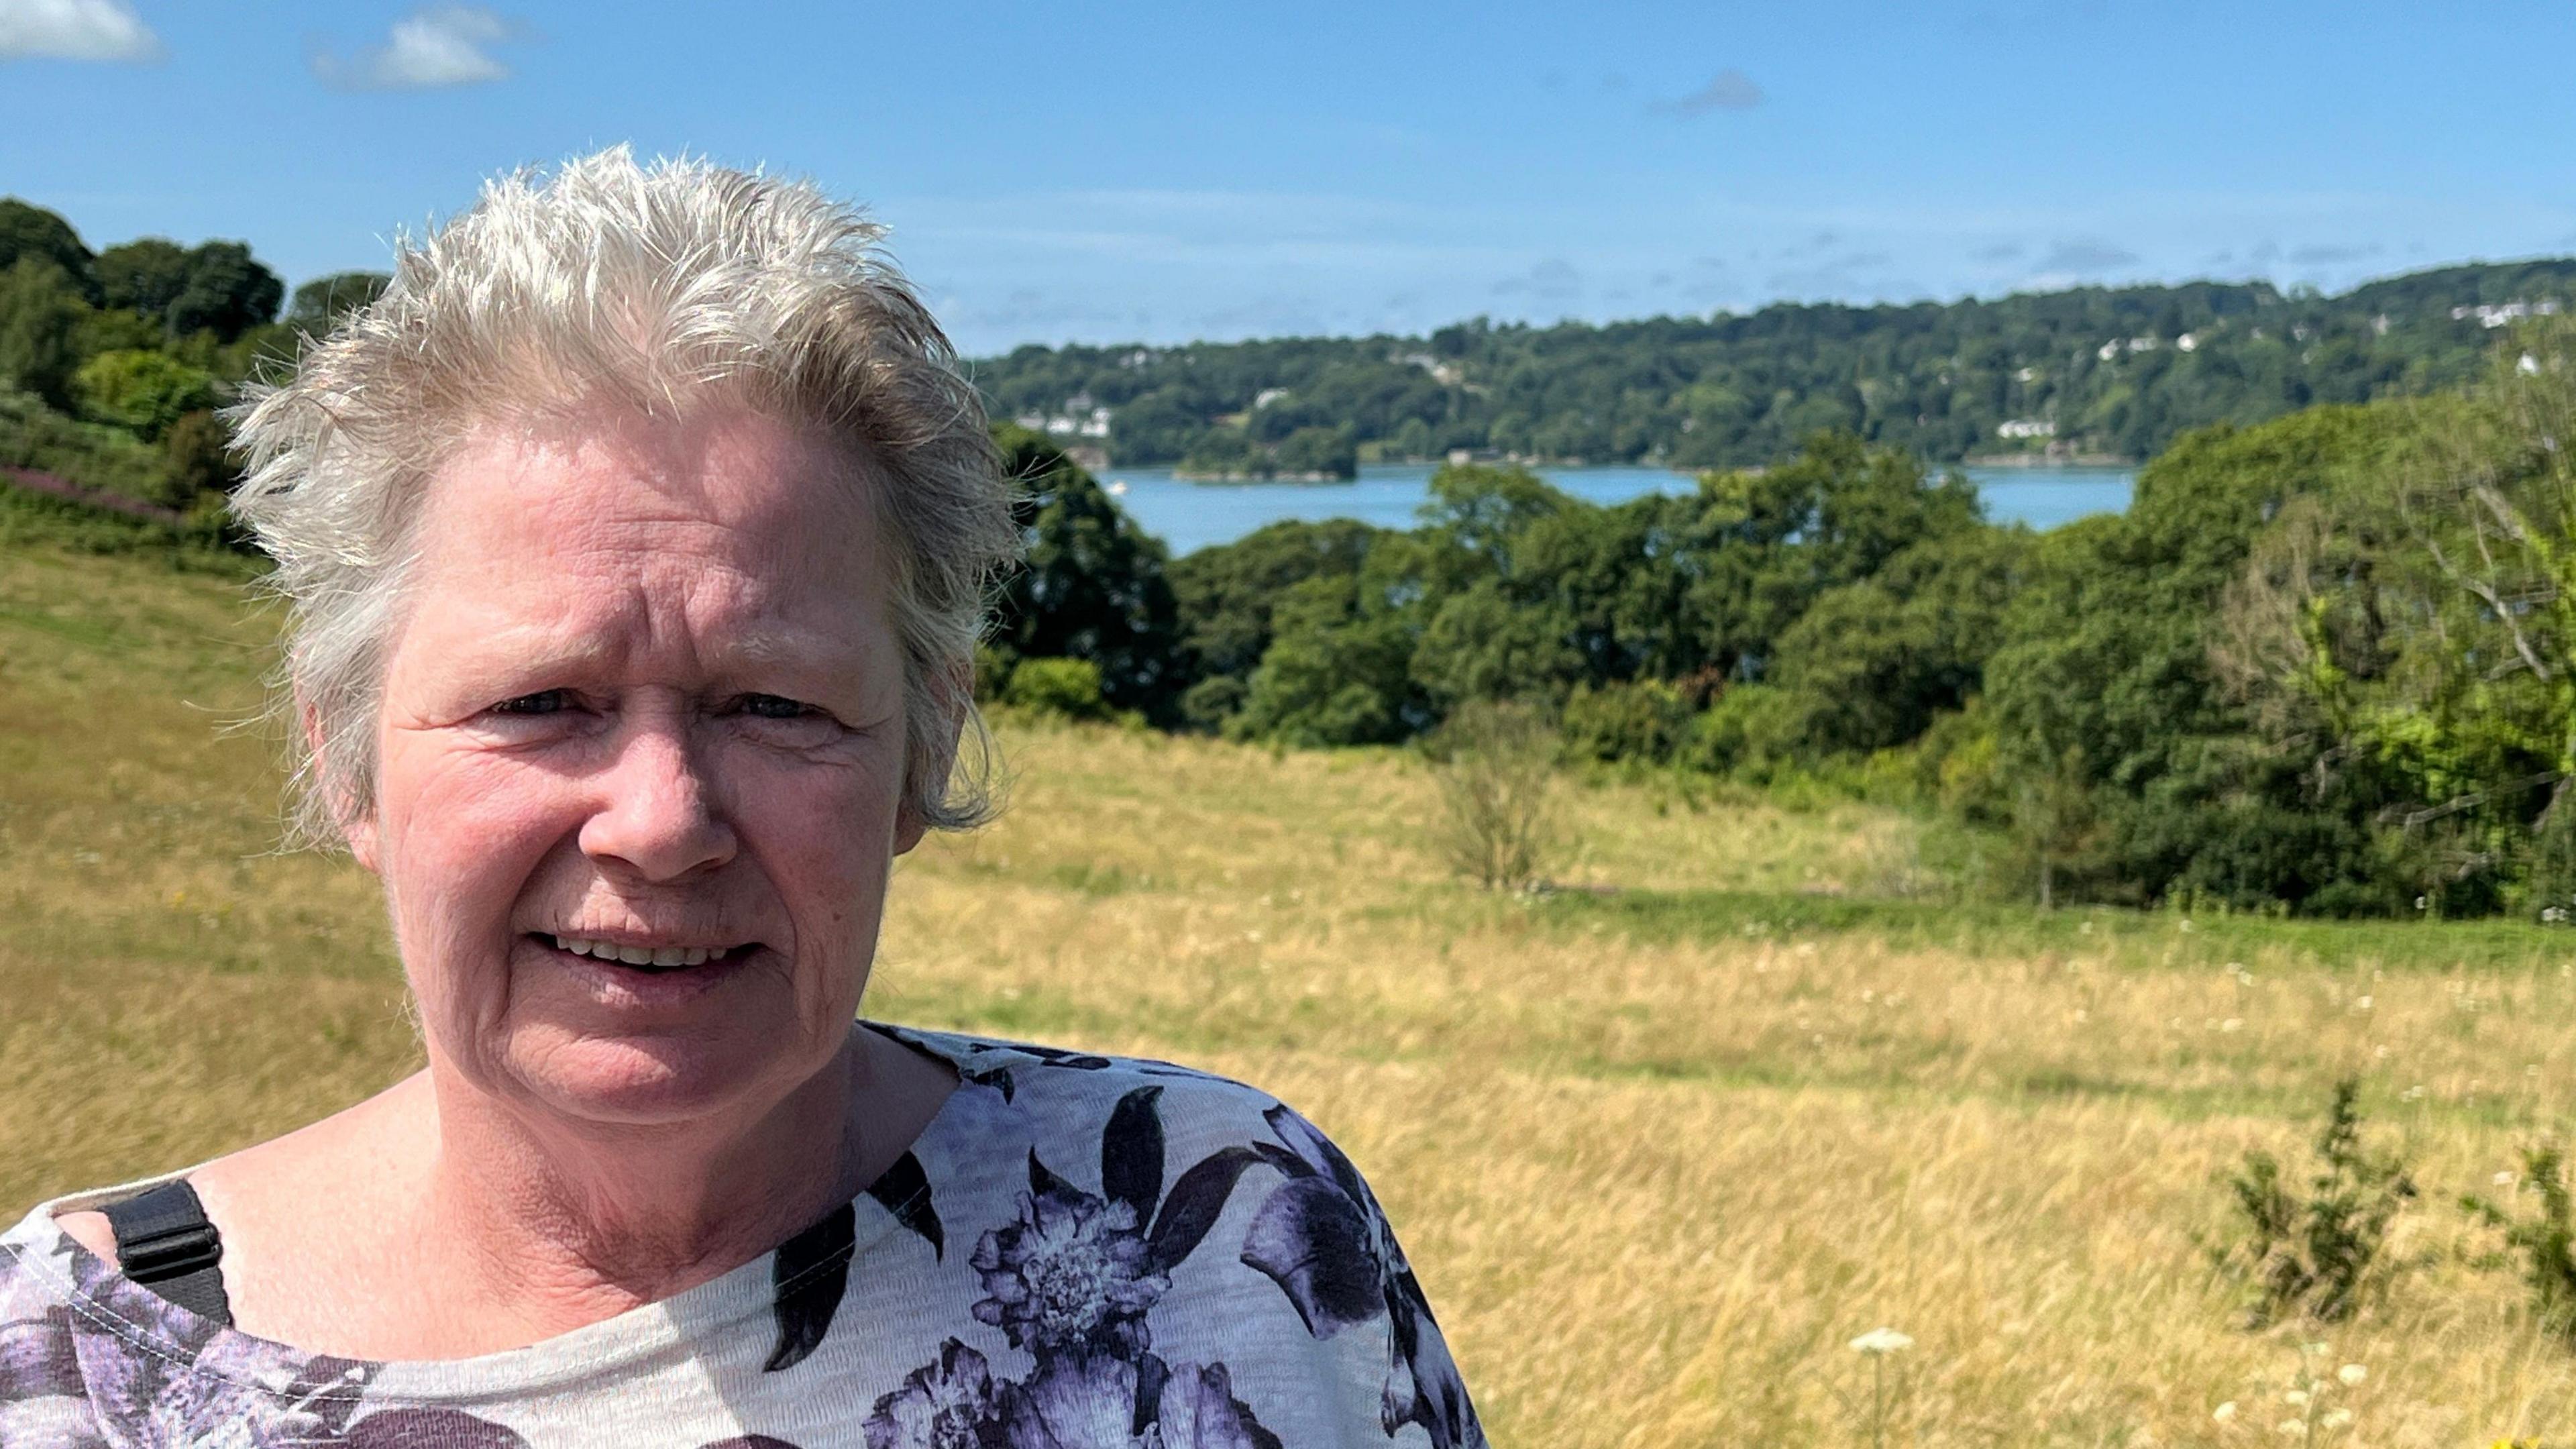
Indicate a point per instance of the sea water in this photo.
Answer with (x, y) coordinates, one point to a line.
(1189, 515)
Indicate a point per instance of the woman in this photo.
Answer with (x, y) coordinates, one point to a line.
(635, 545)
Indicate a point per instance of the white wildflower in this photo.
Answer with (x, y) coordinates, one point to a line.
(2335, 1419)
(2352, 1374)
(2224, 1412)
(1881, 1340)
(2292, 1427)
(2295, 1396)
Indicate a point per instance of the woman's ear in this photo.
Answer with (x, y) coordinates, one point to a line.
(357, 829)
(954, 692)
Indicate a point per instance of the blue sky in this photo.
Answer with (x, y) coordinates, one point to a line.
(1164, 172)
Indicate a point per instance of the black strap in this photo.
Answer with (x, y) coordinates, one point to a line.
(165, 1243)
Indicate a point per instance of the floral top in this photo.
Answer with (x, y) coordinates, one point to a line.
(1078, 1251)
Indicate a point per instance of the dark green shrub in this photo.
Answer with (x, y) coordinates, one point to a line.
(2319, 1254)
(2546, 1241)
(1067, 688)
(1644, 719)
(198, 450)
(40, 316)
(1751, 731)
(145, 392)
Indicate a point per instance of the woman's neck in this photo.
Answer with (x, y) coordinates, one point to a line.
(625, 1215)
(435, 1222)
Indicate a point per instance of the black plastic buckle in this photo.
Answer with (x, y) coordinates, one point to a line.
(175, 1253)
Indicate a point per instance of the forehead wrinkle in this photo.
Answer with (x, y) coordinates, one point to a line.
(677, 634)
(723, 550)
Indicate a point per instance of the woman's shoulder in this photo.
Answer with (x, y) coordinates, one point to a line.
(1064, 1089)
(1131, 1217)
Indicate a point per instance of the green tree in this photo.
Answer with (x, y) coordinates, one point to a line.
(1479, 644)
(1225, 597)
(143, 391)
(145, 275)
(321, 303)
(1338, 671)
(32, 231)
(1767, 544)
(2108, 652)
(1872, 663)
(227, 292)
(1093, 586)
(40, 318)
(1317, 452)
(216, 287)
(1225, 453)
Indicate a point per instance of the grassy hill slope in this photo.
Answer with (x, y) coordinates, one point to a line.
(1658, 1148)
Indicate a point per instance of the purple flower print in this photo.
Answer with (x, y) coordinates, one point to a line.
(36, 1358)
(1199, 1411)
(944, 1405)
(1071, 1274)
(208, 1387)
(1076, 1401)
(1322, 1238)
(42, 1403)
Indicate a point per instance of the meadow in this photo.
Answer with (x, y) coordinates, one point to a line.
(1659, 1143)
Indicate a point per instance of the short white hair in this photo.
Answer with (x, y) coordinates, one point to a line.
(654, 287)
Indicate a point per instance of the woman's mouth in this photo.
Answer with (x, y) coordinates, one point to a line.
(643, 958)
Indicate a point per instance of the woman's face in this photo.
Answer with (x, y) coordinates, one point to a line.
(641, 758)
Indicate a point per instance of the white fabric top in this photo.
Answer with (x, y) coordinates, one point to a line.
(1078, 1251)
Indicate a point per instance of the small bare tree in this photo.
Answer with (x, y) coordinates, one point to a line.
(1496, 767)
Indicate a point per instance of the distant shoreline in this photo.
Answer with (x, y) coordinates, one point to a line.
(2042, 460)
(1183, 477)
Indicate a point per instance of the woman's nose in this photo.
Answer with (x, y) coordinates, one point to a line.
(657, 815)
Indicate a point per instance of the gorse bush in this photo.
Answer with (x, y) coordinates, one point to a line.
(2319, 1254)
(1495, 762)
(2545, 1241)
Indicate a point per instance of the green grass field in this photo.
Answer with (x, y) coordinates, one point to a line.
(1659, 1146)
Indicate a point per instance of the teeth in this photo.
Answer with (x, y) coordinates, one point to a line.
(656, 956)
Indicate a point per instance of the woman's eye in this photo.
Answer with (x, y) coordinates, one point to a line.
(544, 701)
(770, 706)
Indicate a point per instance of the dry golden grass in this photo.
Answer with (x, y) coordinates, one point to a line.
(1656, 1166)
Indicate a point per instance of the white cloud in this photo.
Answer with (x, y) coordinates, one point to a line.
(442, 45)
(75, 30)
